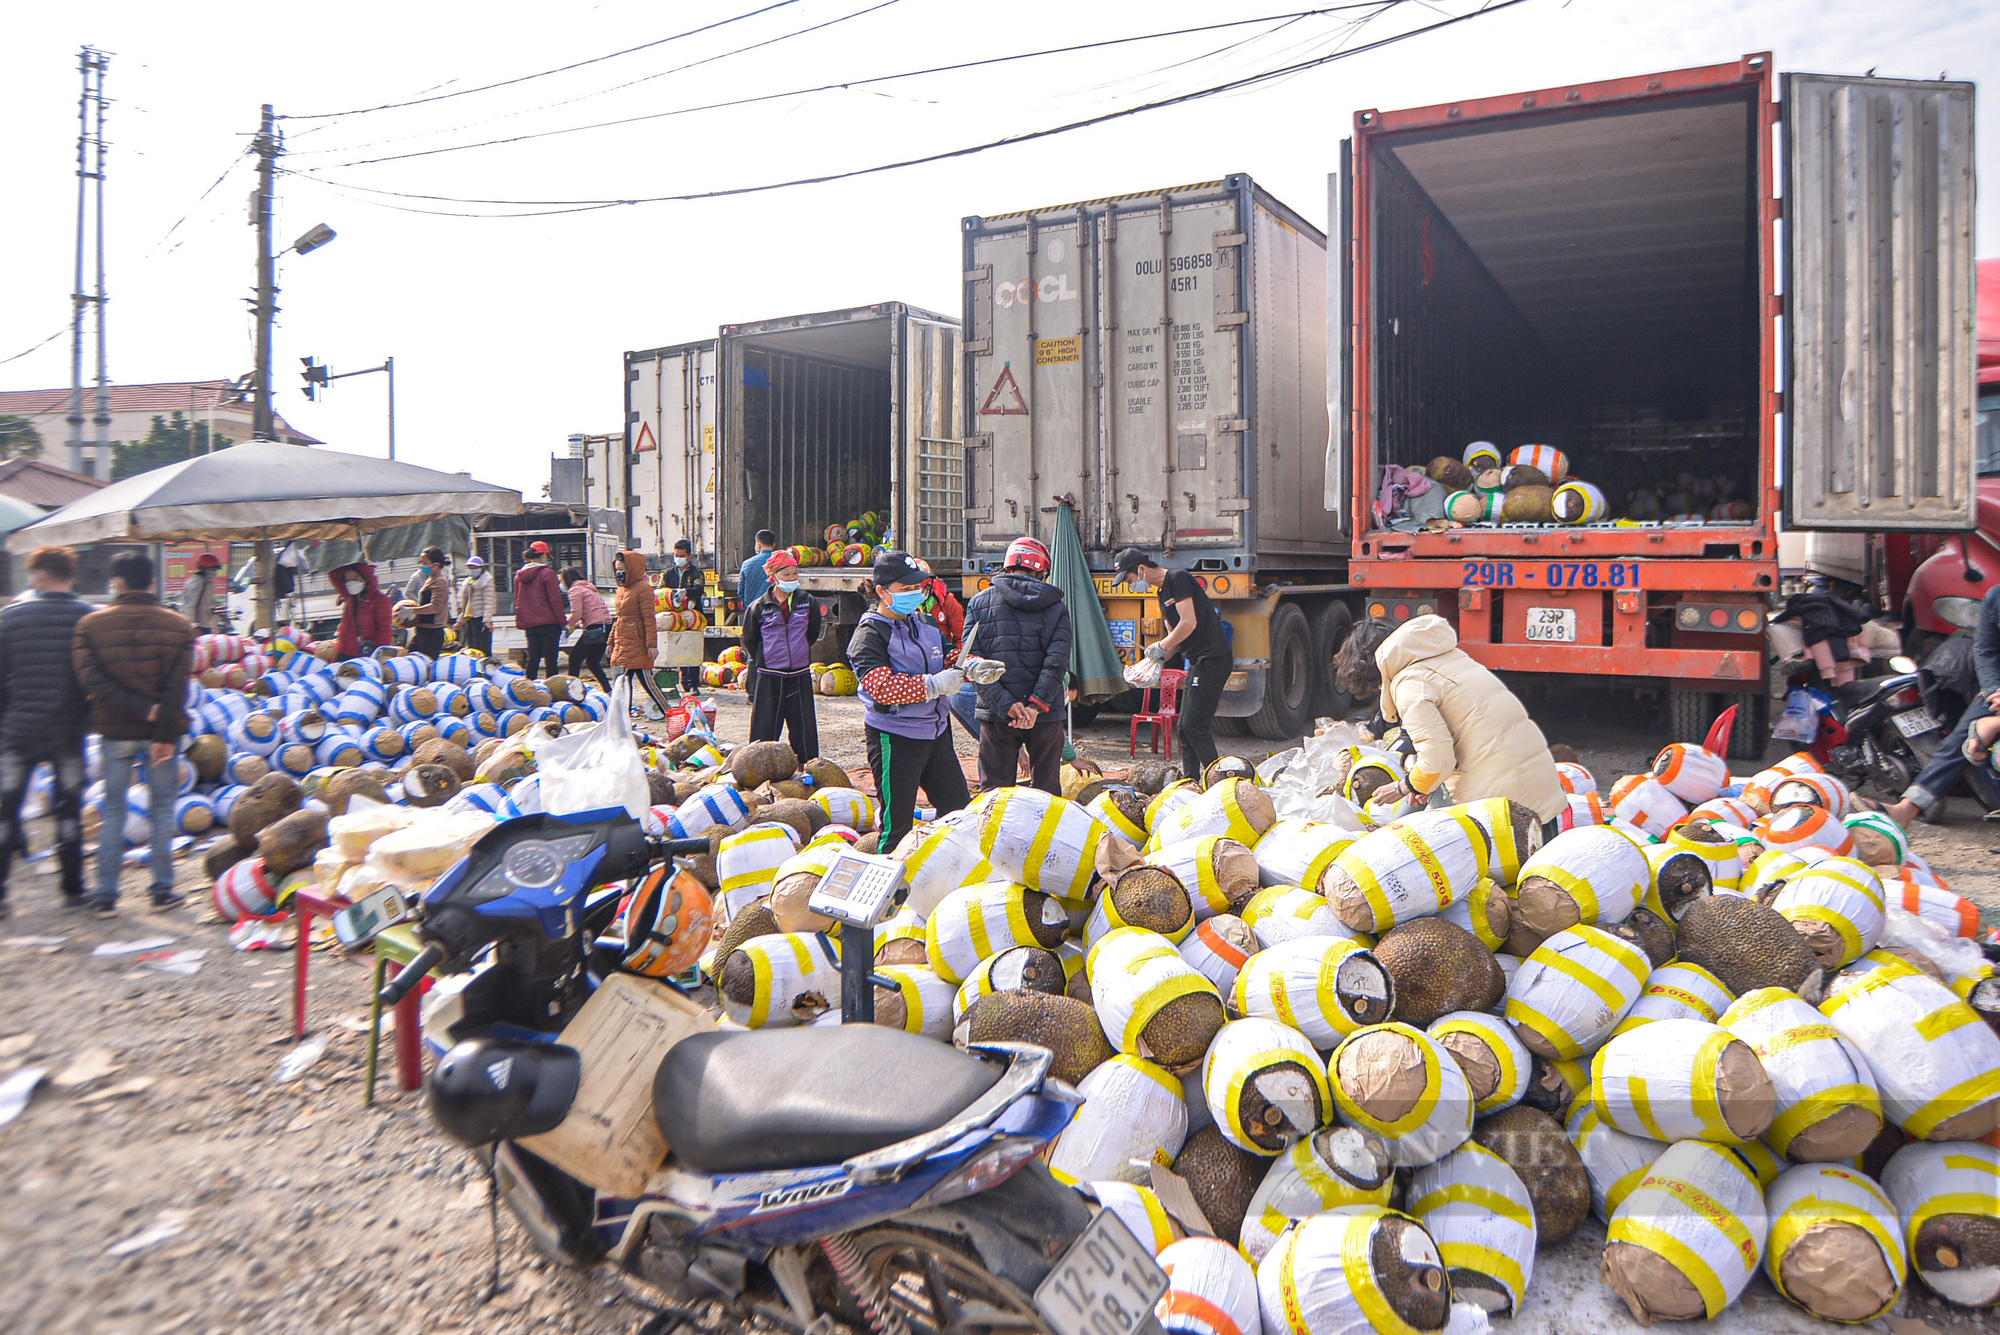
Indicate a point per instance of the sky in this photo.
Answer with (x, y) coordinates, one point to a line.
(508, 331)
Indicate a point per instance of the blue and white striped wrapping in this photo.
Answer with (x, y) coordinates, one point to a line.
(362, 669)
(312, 665)
(287, 661)
(195, 696)
(375, 743)
(523, 799)
(407, 670)
(296, 758)
(409, 732)
(246, 767)
(340, 749)
(597, 704)
(276, 683)
(451, 700)
(457, 668)
(315, 687)
(413, 702)
(250, 736)
(186, 819)
(353, 710)
(307, 725)
(217, 714)
(487, 797)
(544, 713)
(188, 777)
(520, 690)
(485, 723)
(484, 697)
(455, 729)
(717, 804)
(510, 722)
(223, 801)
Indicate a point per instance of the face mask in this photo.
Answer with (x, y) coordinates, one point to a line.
(788, 586)
(906, 602)
(355, 586)
(1139, 586)
(680, 560)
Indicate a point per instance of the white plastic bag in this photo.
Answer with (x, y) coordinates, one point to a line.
(1801, 722)
(595, 767)
(1144, 674)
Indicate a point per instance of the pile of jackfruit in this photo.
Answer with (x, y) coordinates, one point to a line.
(1384, 1055)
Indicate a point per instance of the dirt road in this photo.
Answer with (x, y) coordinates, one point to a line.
(173, 1184)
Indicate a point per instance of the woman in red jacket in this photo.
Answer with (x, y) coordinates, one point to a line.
(364, 610)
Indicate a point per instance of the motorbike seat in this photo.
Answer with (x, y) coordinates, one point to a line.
(794, 1098)
(1854, 692)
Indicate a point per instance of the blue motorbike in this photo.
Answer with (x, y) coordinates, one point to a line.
(819, 1177)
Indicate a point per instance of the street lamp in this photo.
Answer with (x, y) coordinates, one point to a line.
(314, 239)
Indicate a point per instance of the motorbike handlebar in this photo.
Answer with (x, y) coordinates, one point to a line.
(678, 848)
(411, 974)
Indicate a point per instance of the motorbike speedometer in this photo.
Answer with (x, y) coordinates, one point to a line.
(534, 864)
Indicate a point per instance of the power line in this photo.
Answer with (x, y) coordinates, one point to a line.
(197, 203)
(37, 348)
(560, 69)
(549, 206)
(1280, 19)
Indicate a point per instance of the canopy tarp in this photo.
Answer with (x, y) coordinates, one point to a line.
(394, 544)
(1093, 659)
(16, 513)
(264, 490)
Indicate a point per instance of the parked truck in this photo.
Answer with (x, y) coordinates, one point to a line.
(1159, 360)
(792, 425)
(1600, 266)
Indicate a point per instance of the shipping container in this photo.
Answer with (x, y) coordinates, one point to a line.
(1610, 269)
(1158, 359)
(796, 424)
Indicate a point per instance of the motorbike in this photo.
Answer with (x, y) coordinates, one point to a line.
(853, 1174)
(1879, 729)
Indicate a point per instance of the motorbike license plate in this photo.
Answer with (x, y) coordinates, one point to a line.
(1105, 1284)
(1552, 624)
(1915, 722)
(361, 923)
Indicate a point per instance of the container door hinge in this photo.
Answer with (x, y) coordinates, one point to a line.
(1230, 505)
(979, 347)
(1231, 239)
(1230, 319)
(1232, 424)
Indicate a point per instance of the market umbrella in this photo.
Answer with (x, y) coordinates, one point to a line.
(17, 514)
(1093, 660)
(264, 490)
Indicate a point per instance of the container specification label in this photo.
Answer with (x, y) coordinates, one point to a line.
(1550, 575)
(1057, 351)
(1190, 369)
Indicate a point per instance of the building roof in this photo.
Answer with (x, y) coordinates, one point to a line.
(192, 397)
(43, 484)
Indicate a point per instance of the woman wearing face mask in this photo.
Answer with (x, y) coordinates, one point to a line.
(364, 610)
(433, 604)
(686, 576)
(589, 617)
(900, 656)
(635, 636)
(779, 630)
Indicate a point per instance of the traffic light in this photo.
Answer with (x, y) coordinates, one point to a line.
(314, 375)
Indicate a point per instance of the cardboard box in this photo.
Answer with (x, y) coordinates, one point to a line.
(610, 1139)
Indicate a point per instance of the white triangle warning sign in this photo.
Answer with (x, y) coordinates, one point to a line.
(1014, 405)
(645, 439)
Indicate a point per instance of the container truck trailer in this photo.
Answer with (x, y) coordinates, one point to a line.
(1159, 360)
(793, 425)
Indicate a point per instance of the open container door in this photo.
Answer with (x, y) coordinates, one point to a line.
(931, 456)
(1879, 304)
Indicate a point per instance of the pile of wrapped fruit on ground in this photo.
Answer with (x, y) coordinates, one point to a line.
(730, 667)
(1385, 1055)
(1534, 486)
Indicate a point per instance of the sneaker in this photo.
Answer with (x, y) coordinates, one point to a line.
(75, 901)
(102, 908)
(167, 899)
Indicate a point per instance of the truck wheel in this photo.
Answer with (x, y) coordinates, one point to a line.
(1230, 727)
(1752, 730)
(1689, 715)
(1331, 628)
(1288, 683)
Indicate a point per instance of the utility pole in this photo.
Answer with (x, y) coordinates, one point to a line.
(92, 64)
(267, 147)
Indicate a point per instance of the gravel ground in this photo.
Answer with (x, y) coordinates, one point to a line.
(288, 1207)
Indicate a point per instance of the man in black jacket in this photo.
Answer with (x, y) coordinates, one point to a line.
(1023, 622)
(685, 575)
(43, 712)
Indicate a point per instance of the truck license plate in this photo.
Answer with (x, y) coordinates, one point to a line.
(1916, 722)
(1553, 624)
(1105, 1284)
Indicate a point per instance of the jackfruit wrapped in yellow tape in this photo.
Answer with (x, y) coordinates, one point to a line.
(1477, 1209)
(1678, 991)
(1935, 1062)
(1776, 864)
(1320, 1278)
(1569, 995)
(903, 925)
(939, 859)
(1235, 808)
(1410, 869)
(1005, 972)
(1942, 1193)
(1682, 1080)
(1315, 984)
(849, 807)
(1840, 1233)
(1211, 1290)
(1280, 913)
(1598, 869)
(1139, 1209)
(1762, 1163)
(1270, 1066)
(1724, 859)
(747, 863)
(1104, 915)
(1132, 1118)
(1828, 1108)
(1614, 1162)
(1105, 809)
(1134, 975)
(1701, 1212)
(1487, 913)
(1513, 835)
(1213, 955)
(1046, 843)
(1492, 1048)
(978, 921)
(1298, 852)
(1215, 869)
(1839, 903)
(1396, 1081)
(926, 1000)
(1168, 801)
(1363, 769)
(1334, 1166)
(792, 978)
